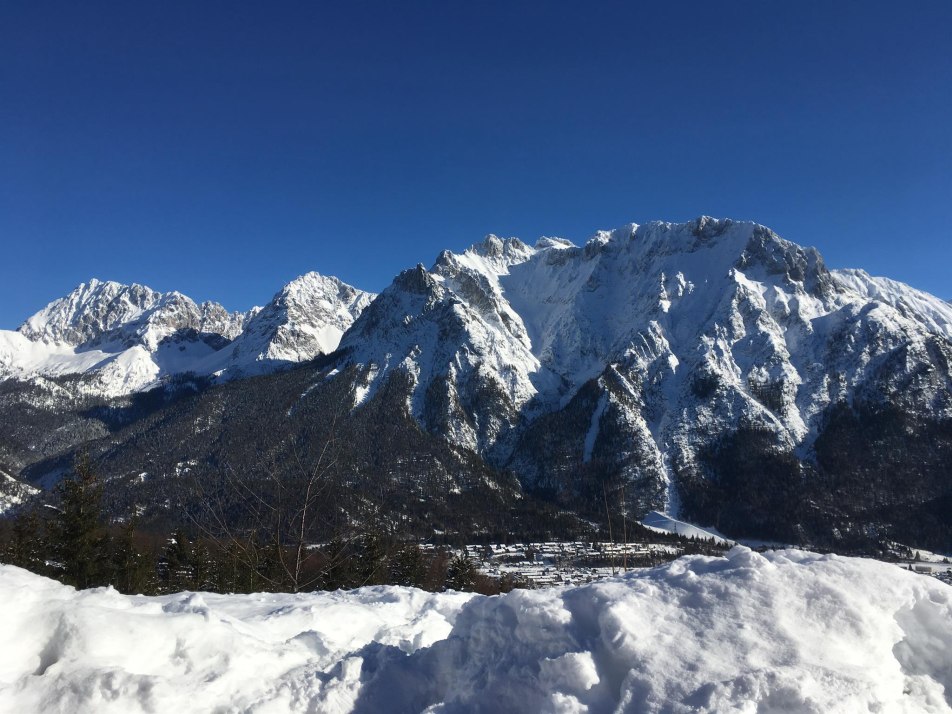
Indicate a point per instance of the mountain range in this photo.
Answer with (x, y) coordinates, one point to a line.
(709, 369)
(129, 338)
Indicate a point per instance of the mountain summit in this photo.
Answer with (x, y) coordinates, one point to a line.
(126, 338)
(101, 313)
(306, 318)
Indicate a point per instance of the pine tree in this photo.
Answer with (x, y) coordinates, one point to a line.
(461, 574)
(204, 571)
(231, 569)
(132, 572)
(177, 573)
(337, 565)
(27, 545)
(370, 560)
(79, 539)
(407, 566)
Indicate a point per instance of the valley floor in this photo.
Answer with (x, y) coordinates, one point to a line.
(782, 631)
(557, 563)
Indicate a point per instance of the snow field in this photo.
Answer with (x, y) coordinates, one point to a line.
(783, 632)
(663, 523)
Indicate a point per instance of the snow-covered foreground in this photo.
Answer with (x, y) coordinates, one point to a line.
(784, 632)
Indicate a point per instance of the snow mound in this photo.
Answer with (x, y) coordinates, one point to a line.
(786, 631)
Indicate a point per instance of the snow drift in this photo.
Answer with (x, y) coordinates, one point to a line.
(786, 631)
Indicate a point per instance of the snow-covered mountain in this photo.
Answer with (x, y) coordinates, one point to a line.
(126, 338)
(710, 370)
(306, 318)
(99, 313)
(642, 346)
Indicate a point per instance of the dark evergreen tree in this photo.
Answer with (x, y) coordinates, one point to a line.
(369, 565)
(27, 544)
(231, 578)
(337, 564)
(461, 574)
(132, 571)
(77, 533)
(177, 563)
(407, 566)
(204, 567)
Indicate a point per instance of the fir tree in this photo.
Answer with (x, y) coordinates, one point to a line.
(370, 560)
(204, 571)
(407, 566)
(27, 545)
(177, 560)
(78, 536)
(132, 572)
(461, 574)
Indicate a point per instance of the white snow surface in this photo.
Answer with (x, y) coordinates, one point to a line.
(127, 338)
(919, 305)
(663, 523)
(787, 631)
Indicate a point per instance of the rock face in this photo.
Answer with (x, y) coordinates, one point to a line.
(127, 338)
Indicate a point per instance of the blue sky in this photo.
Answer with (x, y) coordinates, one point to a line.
(221, 149)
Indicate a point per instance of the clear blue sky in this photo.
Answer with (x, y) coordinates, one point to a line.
(221, 149)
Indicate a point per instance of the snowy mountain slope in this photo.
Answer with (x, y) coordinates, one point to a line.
(13, 492)
(126, 338)
(305, 319)
(647, 343)
(663, 523)
(450, 327)
(108, 312)
(785, 631)
(915, 304)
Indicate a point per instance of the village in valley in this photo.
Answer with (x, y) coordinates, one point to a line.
(574, 563)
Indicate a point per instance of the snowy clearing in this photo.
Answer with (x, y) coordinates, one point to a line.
(786, 631)
(663, 523)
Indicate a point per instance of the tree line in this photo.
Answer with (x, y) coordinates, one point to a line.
(72, 540)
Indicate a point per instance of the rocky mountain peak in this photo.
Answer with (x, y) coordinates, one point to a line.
(495, 247)
(128, 337)
(417, 281)
(98, 314)
(88, 312)
(551, 242)
(304, 319)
